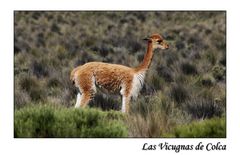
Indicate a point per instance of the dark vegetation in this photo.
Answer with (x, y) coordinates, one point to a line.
(185, 83)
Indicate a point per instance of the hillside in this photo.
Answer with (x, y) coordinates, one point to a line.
(185, 83)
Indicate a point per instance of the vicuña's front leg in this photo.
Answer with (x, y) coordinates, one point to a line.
(78, 102)
(125, 104)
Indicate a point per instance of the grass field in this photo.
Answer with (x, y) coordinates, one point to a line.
(185, 84)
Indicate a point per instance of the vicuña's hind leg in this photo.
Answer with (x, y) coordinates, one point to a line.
(78, 103)
(125, 104)
(87, 88)
(85, 98)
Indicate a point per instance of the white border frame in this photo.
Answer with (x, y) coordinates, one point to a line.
(9, 145)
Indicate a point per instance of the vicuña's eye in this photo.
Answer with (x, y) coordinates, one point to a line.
(159, 41)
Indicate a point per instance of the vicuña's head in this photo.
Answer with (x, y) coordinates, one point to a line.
(158, 41)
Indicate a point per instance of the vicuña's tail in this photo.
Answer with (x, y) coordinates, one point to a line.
(72, 76)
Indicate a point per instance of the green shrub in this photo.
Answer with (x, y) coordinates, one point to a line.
(47, 121)
(209, 128)
(219, 72)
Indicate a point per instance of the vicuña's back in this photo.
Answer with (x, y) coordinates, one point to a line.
(108, 77)
(114, 78)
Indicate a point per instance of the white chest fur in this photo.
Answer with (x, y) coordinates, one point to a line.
(138, 81)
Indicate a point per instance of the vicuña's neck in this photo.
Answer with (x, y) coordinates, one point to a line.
(147, 58)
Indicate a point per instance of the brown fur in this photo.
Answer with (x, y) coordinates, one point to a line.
(112, 77)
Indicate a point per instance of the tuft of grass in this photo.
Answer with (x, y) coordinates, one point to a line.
(39, 69)
(106, 102)
(21, 98)
(188, 68)
(200, 107)
(34, 88)
(152, 117)
(209, 128)
(49, 121)
(179, 93)
(165, 73)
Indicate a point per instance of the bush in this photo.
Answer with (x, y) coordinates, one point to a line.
(21, 98)
(189, 69)
(210, 128)
(207, 80)
(33, 87)
(54, 82)
(219, 72)
(154, 116)
(179, 93)
(47, 121)
(212, 57)
(157, 82)
(39, 69)
(165, 73)
(106, 102)
(203, 107)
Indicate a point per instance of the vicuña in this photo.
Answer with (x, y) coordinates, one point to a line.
(114, 78)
